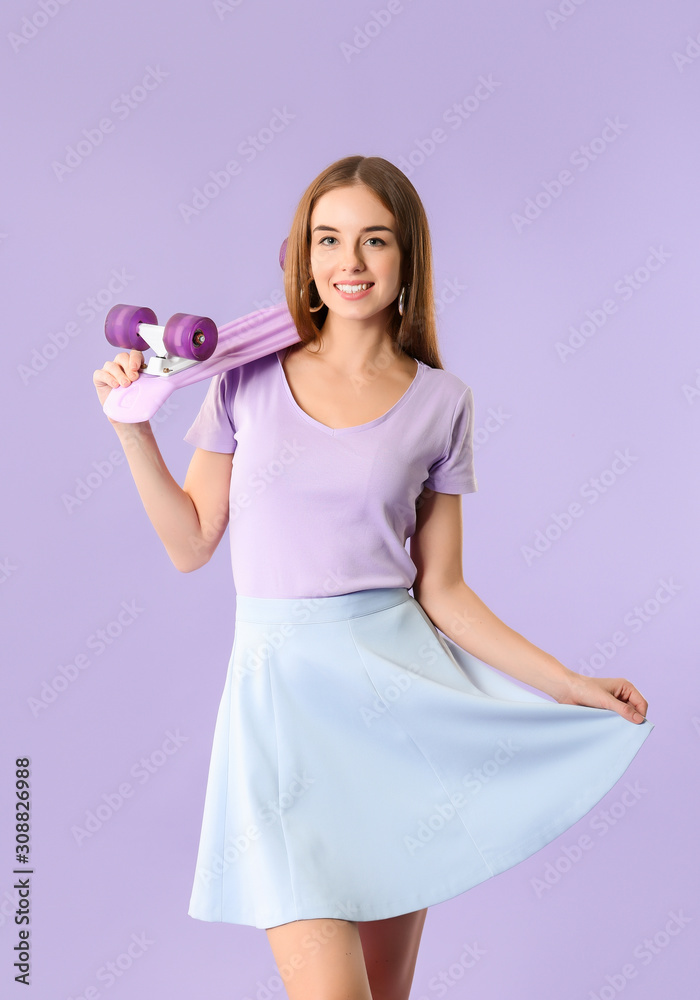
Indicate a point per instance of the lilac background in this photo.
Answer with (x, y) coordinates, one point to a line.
(508, 297)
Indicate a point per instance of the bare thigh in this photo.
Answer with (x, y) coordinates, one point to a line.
(390, 948)
(320, 959)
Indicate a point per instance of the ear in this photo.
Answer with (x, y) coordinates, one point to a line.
(283, 253)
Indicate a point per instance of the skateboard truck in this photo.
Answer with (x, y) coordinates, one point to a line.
(184, 341)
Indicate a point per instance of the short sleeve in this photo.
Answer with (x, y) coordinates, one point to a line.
(453, 471)
(213, 428)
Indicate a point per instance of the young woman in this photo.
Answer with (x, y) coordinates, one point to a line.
(370, 755)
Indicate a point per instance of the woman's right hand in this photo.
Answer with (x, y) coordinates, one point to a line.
(122, 371)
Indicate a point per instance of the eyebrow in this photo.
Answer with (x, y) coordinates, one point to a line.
(365, 229)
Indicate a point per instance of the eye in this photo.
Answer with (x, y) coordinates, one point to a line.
(377, 239)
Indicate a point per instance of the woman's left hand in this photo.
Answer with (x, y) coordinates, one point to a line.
(606, 692)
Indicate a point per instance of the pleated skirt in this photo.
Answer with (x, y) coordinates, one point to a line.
(364, 765)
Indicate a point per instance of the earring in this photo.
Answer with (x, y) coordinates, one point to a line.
(312, 309)
(401, 299)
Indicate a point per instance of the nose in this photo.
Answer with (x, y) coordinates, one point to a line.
(351, 267)
(351, 258)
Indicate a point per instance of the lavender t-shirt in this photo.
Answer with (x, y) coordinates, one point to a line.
(316, 511)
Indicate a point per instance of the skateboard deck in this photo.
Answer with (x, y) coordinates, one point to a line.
(247, 338)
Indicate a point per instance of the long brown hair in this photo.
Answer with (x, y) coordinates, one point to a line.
(416, 331)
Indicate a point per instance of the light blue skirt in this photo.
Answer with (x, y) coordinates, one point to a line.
(364, 765)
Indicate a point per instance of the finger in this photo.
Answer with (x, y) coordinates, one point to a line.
(130, 362)
(629, 693)
(117, 373)
(101, 377)
(625, 709)
(638, 702)
(135, 361)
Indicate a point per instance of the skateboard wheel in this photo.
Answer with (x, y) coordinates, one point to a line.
(283, 253)
(192, 337)
(122, 326)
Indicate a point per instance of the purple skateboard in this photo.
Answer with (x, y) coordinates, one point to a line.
(188, 349)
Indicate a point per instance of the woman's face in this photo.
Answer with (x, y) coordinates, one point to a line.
(353, 241)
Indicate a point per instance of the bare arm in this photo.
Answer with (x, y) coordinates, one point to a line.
(190, 520)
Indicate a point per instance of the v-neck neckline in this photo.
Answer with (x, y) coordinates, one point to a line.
(356, 427)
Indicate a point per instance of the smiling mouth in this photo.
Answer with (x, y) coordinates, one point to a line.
(352, 289)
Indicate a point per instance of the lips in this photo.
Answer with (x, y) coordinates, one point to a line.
(355, 296)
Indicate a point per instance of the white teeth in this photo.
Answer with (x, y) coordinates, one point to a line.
(353, 288)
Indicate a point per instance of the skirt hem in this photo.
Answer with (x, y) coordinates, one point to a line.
(364, 702)
(420, 900)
